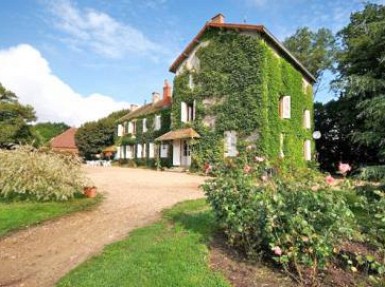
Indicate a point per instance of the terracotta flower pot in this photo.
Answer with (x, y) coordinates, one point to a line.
(90, 191)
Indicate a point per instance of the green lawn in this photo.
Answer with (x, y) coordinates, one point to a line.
(172, 252)
(17, 215)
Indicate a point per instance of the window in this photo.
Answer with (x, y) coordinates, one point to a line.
(285, 107)
(144, 125)
(126, 127)
(307, 149)
(187, 112)
(157, 123)
(164, 150)
(151, 150)
(131, 127)
(120, 130)
(306, 119)
(190, 82)
(186, 148)
(231, 143)
(130, 151)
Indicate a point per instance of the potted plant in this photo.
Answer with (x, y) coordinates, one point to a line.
(90, 191)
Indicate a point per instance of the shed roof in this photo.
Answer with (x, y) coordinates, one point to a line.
(65, 140)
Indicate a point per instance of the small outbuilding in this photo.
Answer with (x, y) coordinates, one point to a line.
(65, 142)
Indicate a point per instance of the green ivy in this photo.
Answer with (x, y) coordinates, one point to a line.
(246, 79)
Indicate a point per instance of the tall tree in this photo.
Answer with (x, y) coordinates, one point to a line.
(315, 50)
(14, 120)
(92, 137)
(46, 131)
(361, 67)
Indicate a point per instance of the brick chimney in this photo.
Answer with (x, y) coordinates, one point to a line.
(218, 19)
(166, 93)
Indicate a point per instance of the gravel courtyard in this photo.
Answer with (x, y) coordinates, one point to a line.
(40, 255)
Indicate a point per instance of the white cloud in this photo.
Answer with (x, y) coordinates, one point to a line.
(26, 72)
(88, 29)
(258, 3)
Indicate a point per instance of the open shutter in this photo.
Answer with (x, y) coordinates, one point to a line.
(194, 108)
(144, 125)
(307, 150)
(183, 112)
(120, 130)
(286, 105)
(139, 151)
(306, 118)
(151, 150)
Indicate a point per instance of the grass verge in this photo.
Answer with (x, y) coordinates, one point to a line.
(21, 214)
(171, 252)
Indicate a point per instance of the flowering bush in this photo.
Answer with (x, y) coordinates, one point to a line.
(29, 174)
(294, 221)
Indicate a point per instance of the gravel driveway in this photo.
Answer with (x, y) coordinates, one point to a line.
(41, 255)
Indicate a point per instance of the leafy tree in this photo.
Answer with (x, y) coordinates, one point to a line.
(92, 137)
(14, 120)
(361, 67)
(315, 50)
(46, 131)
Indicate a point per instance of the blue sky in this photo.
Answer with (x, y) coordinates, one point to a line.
(78, 60)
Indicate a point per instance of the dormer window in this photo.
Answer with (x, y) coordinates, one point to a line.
(187, 112)
(285, 107)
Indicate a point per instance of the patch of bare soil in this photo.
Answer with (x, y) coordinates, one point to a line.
(242, 272)
(39, 256)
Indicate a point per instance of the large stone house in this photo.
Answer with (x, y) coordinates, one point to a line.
(138, 129)
(236, 88)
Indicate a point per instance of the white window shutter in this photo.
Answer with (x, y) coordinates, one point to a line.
(183, 112)
(281, 143)
(130, 128)
(157, 123)
(286, 106)
(306, 118)
(139, 151)
(120, 130)
(151, 150)
(144, 125)
(307, 150)
(194, 109)
(176, 153)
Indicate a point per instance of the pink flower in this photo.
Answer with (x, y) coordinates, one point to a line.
(246, 169)
(277, 250)
(207, 168)
(330, 179)
(344, 167)
(259, 159)
(264, 178)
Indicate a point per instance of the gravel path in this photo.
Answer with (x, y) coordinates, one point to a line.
(41, 255)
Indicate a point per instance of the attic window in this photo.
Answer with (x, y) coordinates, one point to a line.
(285, 107)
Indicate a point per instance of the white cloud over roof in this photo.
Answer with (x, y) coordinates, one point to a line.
(26, 72)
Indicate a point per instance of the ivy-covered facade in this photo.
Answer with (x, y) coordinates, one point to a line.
(236, 87)
(138, 130)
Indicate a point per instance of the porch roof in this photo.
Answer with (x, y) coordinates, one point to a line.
(188, 133)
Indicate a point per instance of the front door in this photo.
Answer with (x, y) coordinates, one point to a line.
(185, 153)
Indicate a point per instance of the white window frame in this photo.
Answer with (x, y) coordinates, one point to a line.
(164, 150)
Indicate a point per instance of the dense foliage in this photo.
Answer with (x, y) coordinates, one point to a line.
(92, 137)
(296, 222)
(242, 94)
(14, 120)
(361, 68)
(29, 174)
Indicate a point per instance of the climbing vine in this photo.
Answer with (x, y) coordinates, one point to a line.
(244, 79)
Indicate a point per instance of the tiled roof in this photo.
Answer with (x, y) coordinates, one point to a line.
(188, 133)
(241, 27)
(65, 140)
(145, 110)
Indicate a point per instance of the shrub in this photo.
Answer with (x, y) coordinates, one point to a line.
(29, 174)
(295, 222)
(371, 173)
